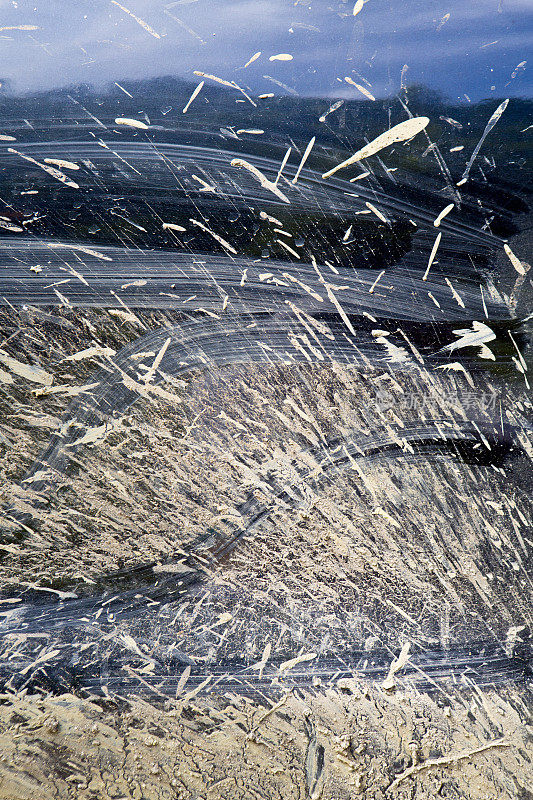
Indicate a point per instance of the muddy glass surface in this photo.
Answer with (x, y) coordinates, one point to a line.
(265, 395)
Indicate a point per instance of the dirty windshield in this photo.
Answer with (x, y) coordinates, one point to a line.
(265, 393)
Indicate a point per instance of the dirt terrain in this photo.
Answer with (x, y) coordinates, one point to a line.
(349, 742)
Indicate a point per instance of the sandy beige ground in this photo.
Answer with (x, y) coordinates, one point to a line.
(225, 748)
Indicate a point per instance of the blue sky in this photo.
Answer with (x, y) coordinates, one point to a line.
(473, 51)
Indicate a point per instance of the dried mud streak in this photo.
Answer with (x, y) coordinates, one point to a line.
(222, 432)
(192, 281)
